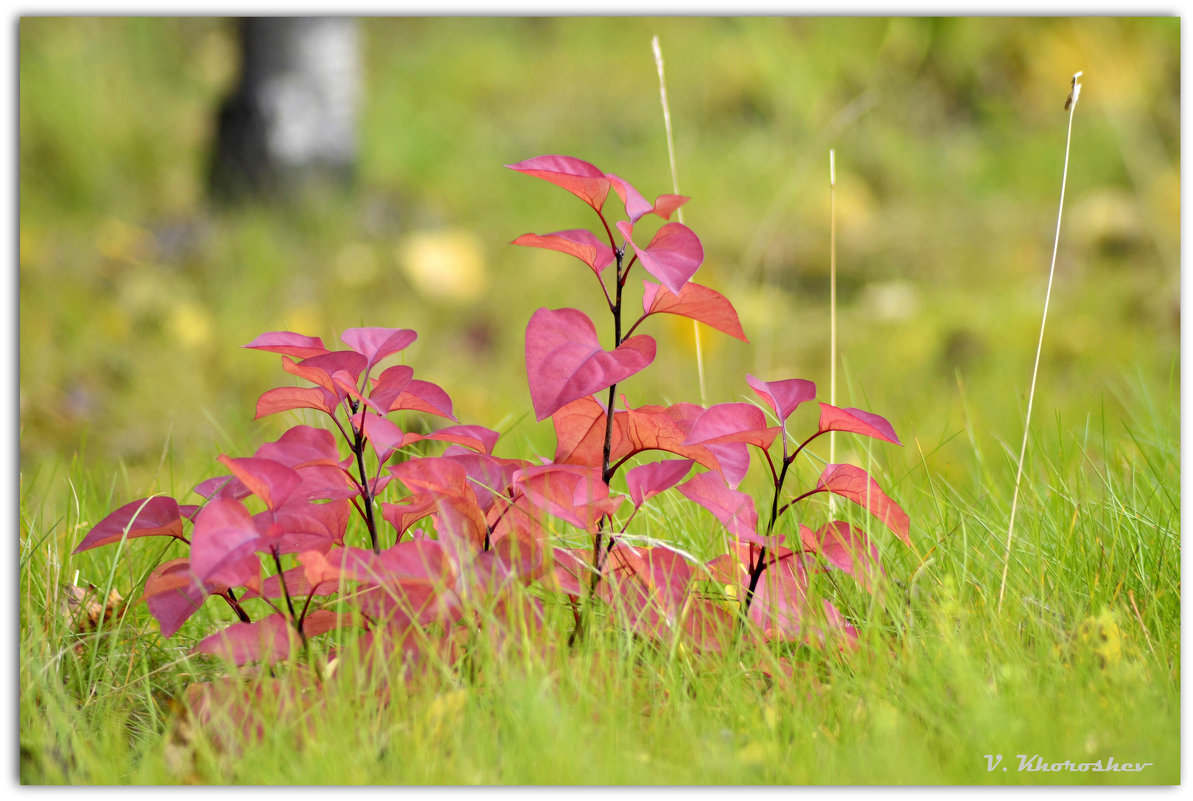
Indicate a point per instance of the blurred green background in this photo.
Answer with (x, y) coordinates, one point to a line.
(136, 290)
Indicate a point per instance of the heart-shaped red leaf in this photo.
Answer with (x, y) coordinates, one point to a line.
(855, 484)
(565, 362)
(148, 517)
(695, 302)
(673, 255)
(578, 177)
(579, 242)
(783, 396)
(288, 343)
(857, 422)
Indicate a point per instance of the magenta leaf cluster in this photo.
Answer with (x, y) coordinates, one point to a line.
(344, 526)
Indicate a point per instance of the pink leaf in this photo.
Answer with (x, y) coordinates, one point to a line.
(377, 343)
(578, 177)
(284, 399)
(488, 476)
(289, 344)
(695, 302)
(223, 544)
(423, 396)
(648, 480)
(270, 481)
(565, 362)
(857, 422)
(320, 369)
(414, 559)
(571, 493)
(635, 205)
(173, 594)
(301, 446)
(148, 517)
(732, 422)
(726, 429)
(307, 526)
(266, 640)
(437, 475)
(845, 547)
(478, 438)
(383, 435)
(392, 382)
(405, 513)
(325, 482)
(783, 396)
(673, 255)
(734, 509)
(665, 205)
(579, 242)
(221, 487)
(580, 432)
(856, 485)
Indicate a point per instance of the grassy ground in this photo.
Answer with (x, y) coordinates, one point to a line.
(135, 292)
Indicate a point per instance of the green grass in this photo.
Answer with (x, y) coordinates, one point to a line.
(939, 680)
(135, 293)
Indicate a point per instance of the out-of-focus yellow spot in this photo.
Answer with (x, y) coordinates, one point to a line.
(190, 324)
(444, 265)
(118, 240)
(304, 319)
(356, 265)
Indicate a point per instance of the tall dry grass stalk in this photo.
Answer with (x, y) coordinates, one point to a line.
(658, 60)
(1070, 106)
(832, 296)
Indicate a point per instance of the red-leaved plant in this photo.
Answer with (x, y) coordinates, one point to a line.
(445, 558)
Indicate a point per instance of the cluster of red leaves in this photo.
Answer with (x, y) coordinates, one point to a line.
(463, 532)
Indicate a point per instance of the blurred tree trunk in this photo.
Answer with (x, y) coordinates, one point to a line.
(292, 119)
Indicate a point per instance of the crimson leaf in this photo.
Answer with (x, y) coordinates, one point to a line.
(148, 517)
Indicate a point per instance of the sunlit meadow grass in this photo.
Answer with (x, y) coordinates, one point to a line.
(1082, 665)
